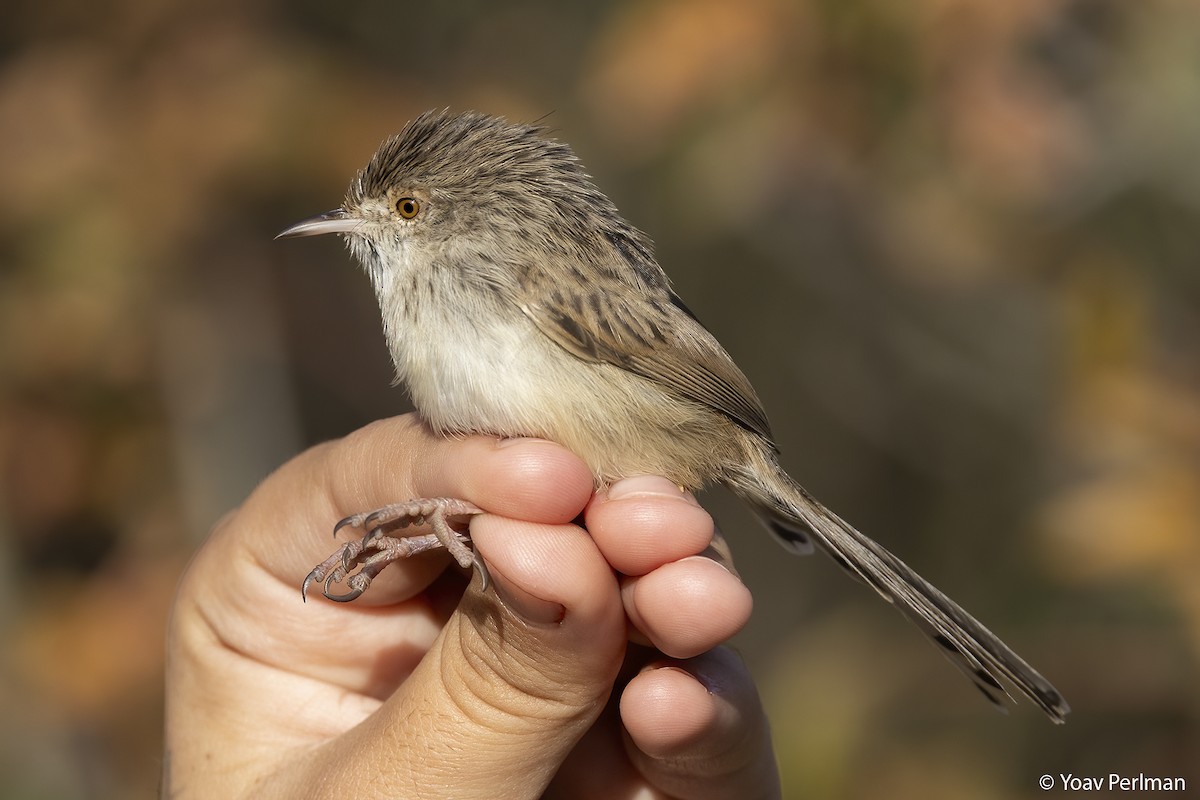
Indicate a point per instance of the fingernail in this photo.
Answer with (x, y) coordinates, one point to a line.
(648, 486)
(531, 609)
(713, 680)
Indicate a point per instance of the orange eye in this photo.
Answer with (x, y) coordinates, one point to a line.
(408, 207)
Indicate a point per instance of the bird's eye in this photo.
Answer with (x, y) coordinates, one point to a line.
(408, 207)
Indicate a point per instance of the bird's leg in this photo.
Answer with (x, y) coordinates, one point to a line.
(377, 548)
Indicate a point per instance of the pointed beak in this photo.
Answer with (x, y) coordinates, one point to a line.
(336, 221)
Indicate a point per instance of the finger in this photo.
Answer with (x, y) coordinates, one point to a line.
(517, 674)
(643, 522)
(687, 607)
(530, 479)
(697, 729)
(399, 459)
(648, 528)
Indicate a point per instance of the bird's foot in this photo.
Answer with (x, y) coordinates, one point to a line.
(374, 551)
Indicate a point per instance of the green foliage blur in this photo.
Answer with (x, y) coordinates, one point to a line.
(953, 243)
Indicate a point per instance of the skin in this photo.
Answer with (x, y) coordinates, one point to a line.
(426, 687)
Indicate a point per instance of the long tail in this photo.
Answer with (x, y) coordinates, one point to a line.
(797, 518)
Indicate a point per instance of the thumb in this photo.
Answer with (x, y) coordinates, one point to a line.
(516, 677)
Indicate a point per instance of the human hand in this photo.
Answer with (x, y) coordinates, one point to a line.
(421, 690)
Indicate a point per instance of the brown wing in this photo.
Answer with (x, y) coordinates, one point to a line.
(650, 332)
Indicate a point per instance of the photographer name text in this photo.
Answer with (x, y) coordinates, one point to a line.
(1111, 783)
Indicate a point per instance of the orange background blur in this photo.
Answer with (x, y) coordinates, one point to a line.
(954, 245)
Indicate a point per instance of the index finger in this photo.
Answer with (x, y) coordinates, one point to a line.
(399, 459)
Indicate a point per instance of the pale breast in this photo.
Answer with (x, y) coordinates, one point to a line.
(492, 373)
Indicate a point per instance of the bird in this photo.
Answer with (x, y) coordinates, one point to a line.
(517, 301)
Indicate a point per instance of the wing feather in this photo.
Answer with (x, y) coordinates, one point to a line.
(648, 331)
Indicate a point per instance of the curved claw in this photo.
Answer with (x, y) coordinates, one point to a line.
(315, 575)
(481, 568)
(353, 594)
(344, 522)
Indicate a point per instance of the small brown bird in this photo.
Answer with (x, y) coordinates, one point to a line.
(517, 302)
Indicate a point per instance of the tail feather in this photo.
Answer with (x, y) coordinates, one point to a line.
(794, 515)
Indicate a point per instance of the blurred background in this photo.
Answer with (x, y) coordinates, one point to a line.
(953, 243)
